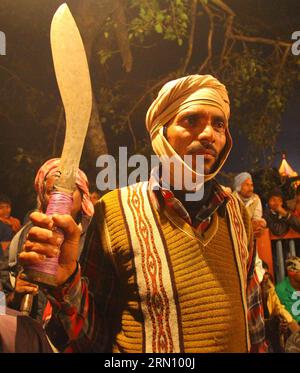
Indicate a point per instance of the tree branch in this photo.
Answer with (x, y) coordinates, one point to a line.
(191, 36)
(132, 132)
(16, 77)
(220, 4)
(229, 23)
(229, 33)
(282, 63)
(209, 38)
(259, 40)
(121, 32)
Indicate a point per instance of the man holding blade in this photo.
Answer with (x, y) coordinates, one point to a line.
(160, 273)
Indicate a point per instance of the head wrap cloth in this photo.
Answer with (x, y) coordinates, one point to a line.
(239, 179)
(178, 95)
(293, 264)
(51, 168)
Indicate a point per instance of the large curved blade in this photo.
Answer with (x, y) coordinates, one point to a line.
(73, 79)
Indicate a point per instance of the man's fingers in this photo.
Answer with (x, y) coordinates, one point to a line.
(42, 235)
(43, 242)
(41, 220)
(29, 258)
(50, 251)
(68, 225)
(43, 231)
(27, 289)
(22, 282)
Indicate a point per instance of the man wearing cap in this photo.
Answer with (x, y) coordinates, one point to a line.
(288, 290)
(244, 190)
(165, 274)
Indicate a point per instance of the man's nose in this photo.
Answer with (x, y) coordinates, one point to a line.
(207, 133)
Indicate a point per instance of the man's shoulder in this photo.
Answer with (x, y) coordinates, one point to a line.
(256, 198)
(235, 194)
(291, 204)
(113, 194)
(15, 220)
(270, 215)
(235, 197)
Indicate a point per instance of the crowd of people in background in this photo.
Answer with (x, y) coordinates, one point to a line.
(281, 304)
(281, 300)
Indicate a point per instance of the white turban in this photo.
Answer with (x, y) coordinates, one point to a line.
(178, 95)
(239, 179)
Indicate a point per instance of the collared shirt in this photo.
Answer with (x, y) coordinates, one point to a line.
(160, 194)
(252, 204)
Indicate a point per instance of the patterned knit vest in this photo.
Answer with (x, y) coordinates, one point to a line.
(181, 291)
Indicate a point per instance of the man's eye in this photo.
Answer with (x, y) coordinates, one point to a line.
(191, 119)
(219, 125)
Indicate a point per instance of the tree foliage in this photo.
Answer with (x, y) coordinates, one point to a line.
(260, 73)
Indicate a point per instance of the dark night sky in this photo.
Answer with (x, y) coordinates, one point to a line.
(288, 140)
(283, 19)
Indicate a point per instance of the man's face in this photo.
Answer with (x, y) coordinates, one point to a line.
(294, 275)
(5, 210)
(275, 202)
(247, 188)
(199, 130)
(77, 199)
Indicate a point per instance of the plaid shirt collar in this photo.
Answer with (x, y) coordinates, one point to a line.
(161, 195)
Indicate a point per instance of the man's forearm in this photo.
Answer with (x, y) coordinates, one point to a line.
(71, 307)
(278, 228)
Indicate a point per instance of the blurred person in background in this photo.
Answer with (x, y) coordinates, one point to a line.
(5, 214)
(16, 284)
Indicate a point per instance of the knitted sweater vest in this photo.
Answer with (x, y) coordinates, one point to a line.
(180, 291)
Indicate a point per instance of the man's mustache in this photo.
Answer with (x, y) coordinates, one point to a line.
(202, 148)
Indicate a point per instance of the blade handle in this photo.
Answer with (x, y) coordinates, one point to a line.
(60, 202)
(45, 273)
(26, 304)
